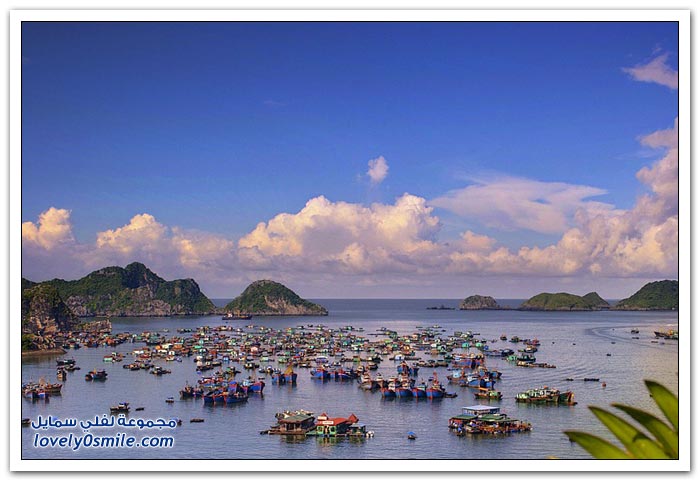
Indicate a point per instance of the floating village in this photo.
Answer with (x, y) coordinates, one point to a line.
(230, 364)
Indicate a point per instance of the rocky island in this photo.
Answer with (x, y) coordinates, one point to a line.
(654, 296)
(269, 298)
(131, 291)
(477, 302)
(563, 301)
(44, 314)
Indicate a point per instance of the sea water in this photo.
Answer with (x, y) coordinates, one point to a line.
(578, 343)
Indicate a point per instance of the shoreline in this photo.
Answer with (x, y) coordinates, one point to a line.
(46, 352)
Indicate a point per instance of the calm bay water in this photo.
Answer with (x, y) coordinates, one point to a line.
(576, 342)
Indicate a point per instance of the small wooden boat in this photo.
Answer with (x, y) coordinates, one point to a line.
(170, 400)
(411, 435)
(120, 408)
(196, 420)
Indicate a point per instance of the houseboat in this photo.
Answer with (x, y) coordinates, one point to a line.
(292, 423)
(328, 427)
(481, 419)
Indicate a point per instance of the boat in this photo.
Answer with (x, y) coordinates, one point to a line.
(290, 376)
(489, 394)
(411, 435)
(196, 420)
(120, 408)
(545, 395)
(159, 371)
(191, 392)
(419, 391)
(292, 423)
(65, 362)
(634, 331)
(251, 385)
(170, 400)
(670, 334)
(61, 374)
(96, 375)
(236, 316)
(482, 419)
(320, 373)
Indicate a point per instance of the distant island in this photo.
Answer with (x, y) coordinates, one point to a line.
(563, 301)
(270, 298)
(659, 295)
(477, 302)
(654, 296)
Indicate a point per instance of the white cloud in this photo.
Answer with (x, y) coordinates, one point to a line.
(341, 236)
(378, 170)
(514, 203)
(52, 230)
(656, 71)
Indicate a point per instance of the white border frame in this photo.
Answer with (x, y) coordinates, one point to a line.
(680, 16)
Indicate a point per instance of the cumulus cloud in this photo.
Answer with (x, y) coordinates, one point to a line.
(513, 203)
(344, 236)
(656, 71)
(378, 170)
(50, 249)
(53, 229)
(642, 241)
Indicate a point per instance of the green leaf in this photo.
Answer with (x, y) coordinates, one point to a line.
(636, 442)
(660, 430)
(598, 447)
(666, 400)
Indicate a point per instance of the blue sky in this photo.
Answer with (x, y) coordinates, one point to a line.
(212, 128)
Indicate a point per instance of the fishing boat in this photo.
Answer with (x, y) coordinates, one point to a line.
(290, 376)
(96, 375)
(236, 396)
(411, 435)
(65, 362)
(188, 392)
(159, 371)
(390, 390)
(419, 390)
(435, 390)
(251, 385)
(277, 377)
(488, 394)
(670, 334)
(120, 408)
(320, 373)
(61, 374)
(545, 395)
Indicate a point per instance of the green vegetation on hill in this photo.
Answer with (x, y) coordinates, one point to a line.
(133, 290)
(27, 284)
(563, 301)
(267, 297)
(659, 295)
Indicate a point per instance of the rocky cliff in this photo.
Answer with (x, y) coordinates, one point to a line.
(44, 314)
(269, 298)
(477, 302)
